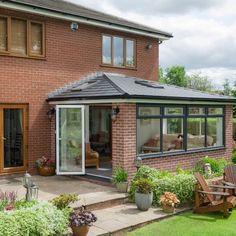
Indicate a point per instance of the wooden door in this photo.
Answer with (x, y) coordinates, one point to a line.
(13, 138)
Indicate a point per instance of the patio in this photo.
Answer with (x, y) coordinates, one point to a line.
(50, 187)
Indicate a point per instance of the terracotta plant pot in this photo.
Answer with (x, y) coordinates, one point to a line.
(46, 171)
(122, 187)
(80, 230)
(143, 201)
(168, 209)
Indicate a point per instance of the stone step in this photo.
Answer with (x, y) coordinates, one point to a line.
(121, 219)
(100, 200)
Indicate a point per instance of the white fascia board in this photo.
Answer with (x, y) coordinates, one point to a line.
(147, 101)
(67, 17)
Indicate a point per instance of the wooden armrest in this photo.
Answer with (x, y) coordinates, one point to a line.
(229, 184)
(215, 193)
(222, 186)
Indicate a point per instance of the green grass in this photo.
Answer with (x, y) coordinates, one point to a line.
(189, 224)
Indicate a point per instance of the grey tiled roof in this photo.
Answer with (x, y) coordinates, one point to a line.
(81, 11)
(108, 86)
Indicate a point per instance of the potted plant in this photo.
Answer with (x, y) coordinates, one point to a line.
(81, 221)
(121, 180)
(143, 193)
(45, 166)
(169, 201)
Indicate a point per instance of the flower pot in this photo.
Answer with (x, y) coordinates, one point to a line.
(80, 230)
(143, 200)
(46, 171)
(122, 187)
(168, 209)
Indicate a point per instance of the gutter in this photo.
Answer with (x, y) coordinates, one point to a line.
(69, 17)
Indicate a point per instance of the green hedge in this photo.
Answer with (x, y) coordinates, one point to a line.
(182, 184)
(42, 219)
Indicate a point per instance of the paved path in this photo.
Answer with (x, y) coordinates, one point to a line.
(120, 219)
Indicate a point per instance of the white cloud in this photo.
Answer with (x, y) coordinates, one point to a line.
(204, 31)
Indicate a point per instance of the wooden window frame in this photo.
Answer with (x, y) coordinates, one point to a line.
(28, 39)
(124, 52)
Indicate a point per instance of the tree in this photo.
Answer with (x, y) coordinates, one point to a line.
(175, 75)
(199, 82)
(227, 90)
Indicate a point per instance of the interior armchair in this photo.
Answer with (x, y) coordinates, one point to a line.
(91, 156)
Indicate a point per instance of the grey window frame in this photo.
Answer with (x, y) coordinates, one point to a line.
(185, 117)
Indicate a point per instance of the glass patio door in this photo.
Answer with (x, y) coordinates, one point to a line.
(70, 139)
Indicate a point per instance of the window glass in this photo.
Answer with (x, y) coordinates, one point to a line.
(173, 110)
(215, 131)
(118, 51)
(18, 33)
(130, 53)
(215, 110)
(195, 133)
(36, 39)
(172, 134)
(149, 111)
(148, 135)
(106, 54)
(3, 34)
(196, 110)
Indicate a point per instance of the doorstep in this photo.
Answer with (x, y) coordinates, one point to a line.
(121, 219)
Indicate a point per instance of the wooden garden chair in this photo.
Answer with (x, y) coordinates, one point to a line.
(206, 201)
(230, 175)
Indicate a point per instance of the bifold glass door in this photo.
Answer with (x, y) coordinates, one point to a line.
(70, 139)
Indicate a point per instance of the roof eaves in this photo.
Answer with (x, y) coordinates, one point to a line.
(159, 34)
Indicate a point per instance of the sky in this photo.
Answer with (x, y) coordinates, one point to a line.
(204, 32)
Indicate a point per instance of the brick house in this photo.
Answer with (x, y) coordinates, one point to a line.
(81, 87)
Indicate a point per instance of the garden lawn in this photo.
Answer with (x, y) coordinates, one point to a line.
(189, 224)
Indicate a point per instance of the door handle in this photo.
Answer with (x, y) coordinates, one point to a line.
(3, 138)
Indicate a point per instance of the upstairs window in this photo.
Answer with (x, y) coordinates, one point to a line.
(118, 51)
(3, 34)
(19, 37)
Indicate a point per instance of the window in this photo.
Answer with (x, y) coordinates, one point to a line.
(18, 36)
(165, 129)
(26, 37)
(36, 39)
(3, 34)
(118, 51)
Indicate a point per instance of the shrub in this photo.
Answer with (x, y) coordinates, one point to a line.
(64, 200)
(43, 219)
(182, 185)
(121, 175)
(234, 156)
(143, 185)
(217, 165)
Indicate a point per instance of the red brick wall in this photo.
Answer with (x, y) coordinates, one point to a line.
(124, 144)
(69, 57)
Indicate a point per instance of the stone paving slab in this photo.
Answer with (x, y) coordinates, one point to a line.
(125, 217)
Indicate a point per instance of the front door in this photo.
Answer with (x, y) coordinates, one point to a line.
(13, 134)
(70, 139)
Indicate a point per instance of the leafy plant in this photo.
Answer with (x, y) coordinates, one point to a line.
(25, 204)
(42, 219)
(234, 156)
(83, 217)
(169, 199)
(144, 185)
(7, 198)
(121, 175)
(44, 162)
(182, 184)
(217, 165)
(64, 200)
